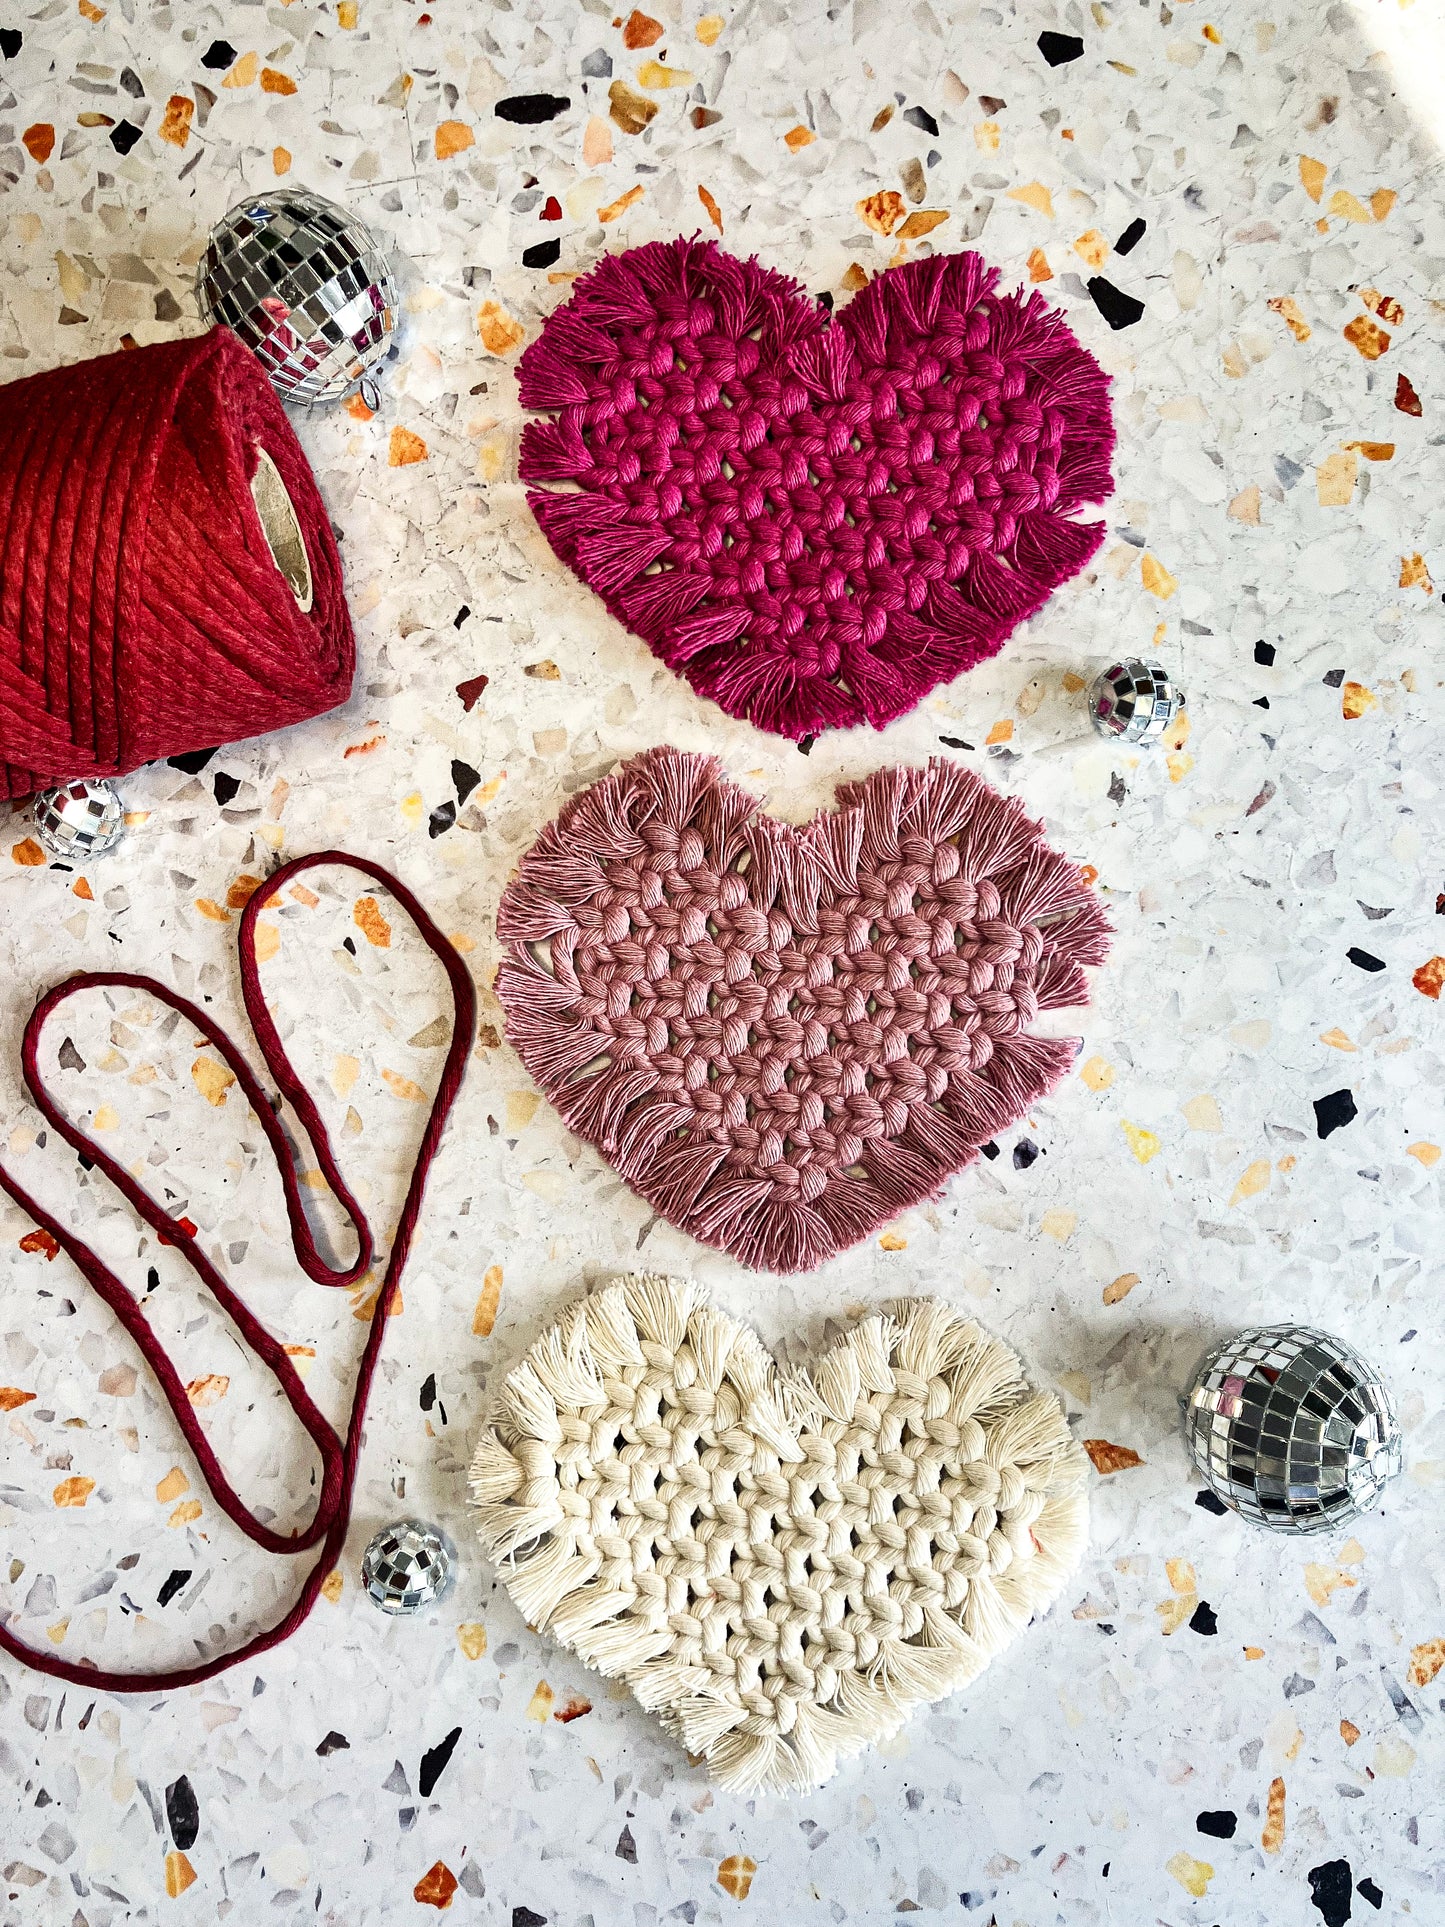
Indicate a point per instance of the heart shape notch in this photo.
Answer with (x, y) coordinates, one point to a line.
(814, 520)
(781, 1566)
(783, 1037)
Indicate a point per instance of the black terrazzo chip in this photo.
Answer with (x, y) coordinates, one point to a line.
(1204, 1620)
(11, 41)
(1120, 310)
(1210, 1502)
(530, 110)
(1219, 1825)
(434, 1762)
(124, 137)
(1330, 1891)
(1362, 960)
(1334, 1112)
(1264, 653)
(192, 762)
(183, 1813)
(545, 255)
(226, 787)
(921, 118)
(173, 1584)
(219, 54)
(1060, 48)
(1132, 236)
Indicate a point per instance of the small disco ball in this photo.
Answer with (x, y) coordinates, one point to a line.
(80, 820)
(407, 1567)
(306, 285)
(1135, 700)
(1292, 1428)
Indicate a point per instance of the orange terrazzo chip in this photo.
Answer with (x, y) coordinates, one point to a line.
(371, 923)
(1109, 1458)
(735, 1875)
(1367, 336)
(882, 212)
(452, 137)
(405, 448)
(436, 1887)
(640, 30)
(500, 332)
(175, 125)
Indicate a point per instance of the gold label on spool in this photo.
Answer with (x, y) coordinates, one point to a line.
(282, 529)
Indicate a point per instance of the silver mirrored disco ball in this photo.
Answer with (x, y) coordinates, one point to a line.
(407, 1567)
(1134, 700)
(1291, 1428)
(306, 285)
(80, 820)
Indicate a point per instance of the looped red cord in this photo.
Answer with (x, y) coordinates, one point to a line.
(339, 1457)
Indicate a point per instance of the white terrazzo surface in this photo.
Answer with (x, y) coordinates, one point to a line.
(1280, 490)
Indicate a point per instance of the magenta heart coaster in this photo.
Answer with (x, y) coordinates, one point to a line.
(815, 521)
(782, 1037)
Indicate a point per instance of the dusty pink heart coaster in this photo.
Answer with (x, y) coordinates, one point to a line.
(814, 521)
(782, 1037)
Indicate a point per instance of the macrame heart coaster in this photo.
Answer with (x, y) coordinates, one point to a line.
(782, 1566)
(782, 1037)
(813, 520)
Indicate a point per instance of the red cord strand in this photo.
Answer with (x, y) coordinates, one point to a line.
(339, 1457)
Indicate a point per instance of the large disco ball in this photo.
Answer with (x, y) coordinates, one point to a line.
(1291, 1428)
(306, 285)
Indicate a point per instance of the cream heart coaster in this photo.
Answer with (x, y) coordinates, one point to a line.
(781, 1565)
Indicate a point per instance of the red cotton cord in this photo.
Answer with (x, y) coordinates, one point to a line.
(339, 1457)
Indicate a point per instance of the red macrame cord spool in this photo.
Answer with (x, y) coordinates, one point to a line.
(339, 1458)
(143, 612)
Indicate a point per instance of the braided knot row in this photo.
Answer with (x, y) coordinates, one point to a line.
(790, 1047)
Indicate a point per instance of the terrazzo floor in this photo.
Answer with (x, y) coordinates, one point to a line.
(1213, 1725)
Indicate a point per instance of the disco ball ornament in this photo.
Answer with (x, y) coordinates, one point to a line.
(306, 285)
(1291, 1428)
(1134, 700)
(80, 820)
(407, 1567)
